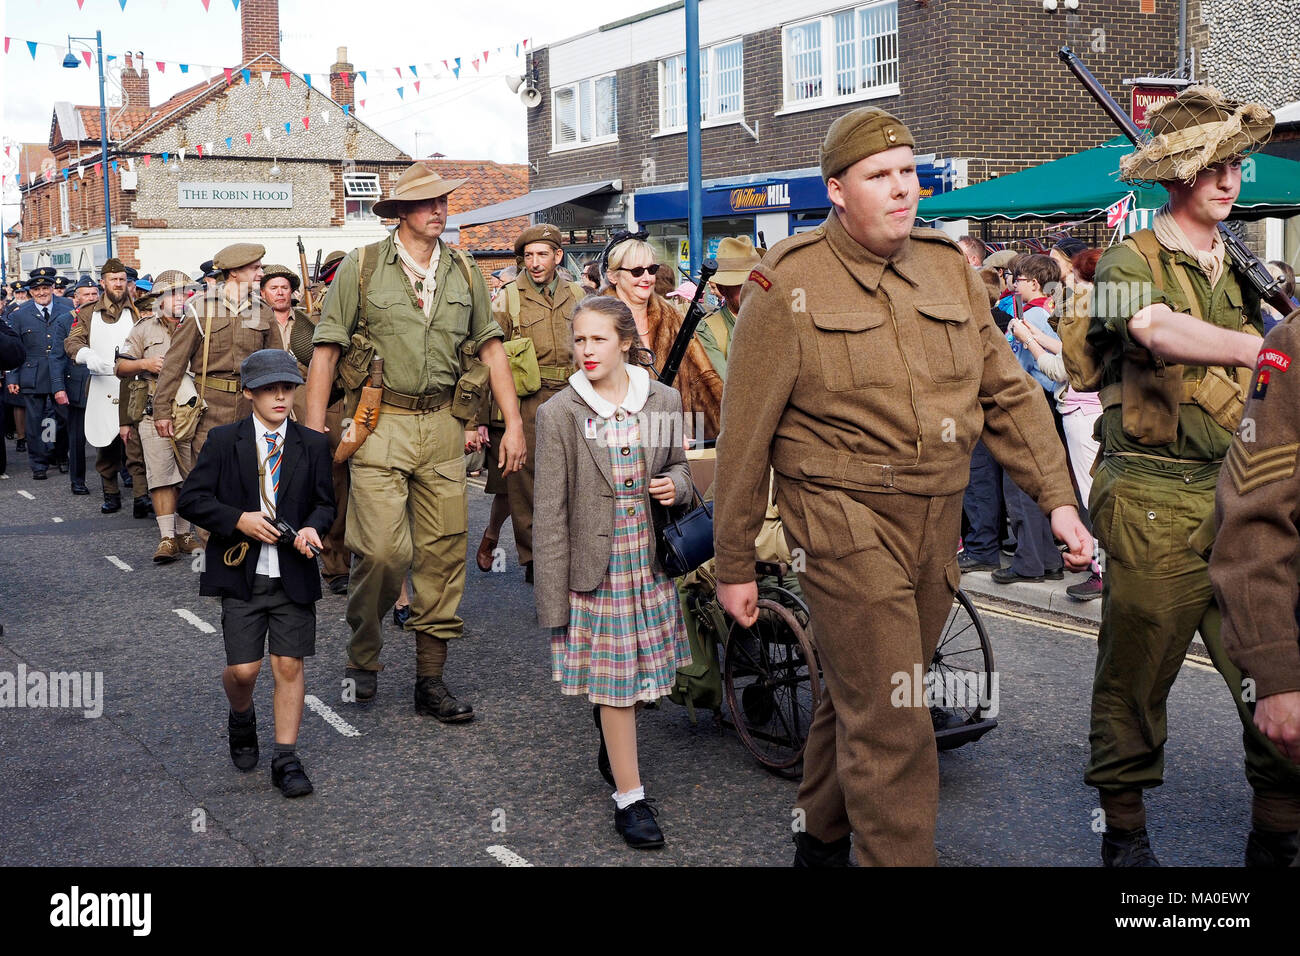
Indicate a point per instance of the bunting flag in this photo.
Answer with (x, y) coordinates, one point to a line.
(475, 62)
(362, 104)
(307, 77)
(166, 156)
(1116, 213)
(346, 109)
(445, 66)
(208, 147)
(230, 74)
(180, 155)
(400, 92)
(114, 165)
(288, 128)
(230, 140)
(417, 86)
(399, 71)
(31, 45)
(236, 4)
(65, 173)
(123, 3)
(305, 121)
(362, 74)
(266, 131)
(99, 167)
(247, 75)
(85, 55)
(205, 3)
(185, 67)
(485, 53)
(147, 157)
(285, 75)
(6, 44)
(266, 79)
(160, 64)
(199, 149)
(412, 69)
(79, 3)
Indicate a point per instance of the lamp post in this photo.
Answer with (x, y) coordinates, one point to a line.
(70, 62)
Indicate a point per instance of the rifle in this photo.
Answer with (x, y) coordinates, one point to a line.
(315, 273)
(693, 316)
(306, 276)
(1248, 265)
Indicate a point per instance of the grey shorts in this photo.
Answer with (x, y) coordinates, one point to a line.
(267, 618)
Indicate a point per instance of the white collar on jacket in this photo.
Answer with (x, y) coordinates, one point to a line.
(638, 390)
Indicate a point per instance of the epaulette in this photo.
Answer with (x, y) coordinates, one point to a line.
(934, 235)
(785, 246)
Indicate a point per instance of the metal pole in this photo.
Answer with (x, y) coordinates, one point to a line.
(103, 149)
(695, 212)
(1182, 38)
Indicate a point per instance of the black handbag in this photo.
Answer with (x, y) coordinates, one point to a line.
(684, 535)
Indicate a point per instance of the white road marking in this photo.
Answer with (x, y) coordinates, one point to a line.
(118, 562)
(506, 857)
(58, 521)
(194, 619)
(331, 718)
(27, 494)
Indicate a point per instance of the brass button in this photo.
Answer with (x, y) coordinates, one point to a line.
(890, 135)
(618, 416)
(1151, 516)
(628, 483)
(631, 511)
(625, 450)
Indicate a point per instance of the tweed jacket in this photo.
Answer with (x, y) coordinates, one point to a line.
(573, 507)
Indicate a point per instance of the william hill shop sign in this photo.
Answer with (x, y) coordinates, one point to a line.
(235, 195)
(758, 198)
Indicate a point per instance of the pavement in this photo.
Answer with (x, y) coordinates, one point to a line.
(1041, 595)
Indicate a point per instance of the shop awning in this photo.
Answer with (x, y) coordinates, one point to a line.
(532, 202)
(1088, 182)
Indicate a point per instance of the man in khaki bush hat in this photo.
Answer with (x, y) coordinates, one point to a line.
(1170, 299)
(425, 312)
(865, 366)
(231, 325)
(736, 258)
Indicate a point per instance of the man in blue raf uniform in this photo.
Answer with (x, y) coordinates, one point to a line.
(40, 324)
(11, 356)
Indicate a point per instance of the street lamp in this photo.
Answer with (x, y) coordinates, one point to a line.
(71, 62)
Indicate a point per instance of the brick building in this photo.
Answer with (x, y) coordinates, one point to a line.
(978, 84)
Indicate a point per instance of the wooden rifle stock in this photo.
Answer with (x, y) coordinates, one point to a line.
(694, 314)
(305, 276)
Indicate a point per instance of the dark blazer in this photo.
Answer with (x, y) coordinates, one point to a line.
(76, 377)
(12, 352)
(573, 506)
(42, 371)
(223, 485)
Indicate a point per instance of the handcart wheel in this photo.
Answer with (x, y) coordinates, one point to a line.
(771, 690)
(961, 674)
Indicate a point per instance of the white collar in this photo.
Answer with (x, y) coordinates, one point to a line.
(260, 431)
(638, 390)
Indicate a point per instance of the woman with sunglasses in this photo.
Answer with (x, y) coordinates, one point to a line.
(630, 276)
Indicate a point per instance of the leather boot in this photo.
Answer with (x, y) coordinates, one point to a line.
(812, 852)
(1124, 848)
(143, 507)
(112, 503)
(433, 698)
(1269, 849)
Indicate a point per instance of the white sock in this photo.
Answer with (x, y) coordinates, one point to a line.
(182, 526)
(166, 525)
(625, 800)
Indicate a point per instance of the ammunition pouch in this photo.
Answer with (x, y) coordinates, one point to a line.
(522, 355)
(467, 396)
(137, 398)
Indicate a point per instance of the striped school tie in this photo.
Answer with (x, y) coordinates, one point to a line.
(273, 452)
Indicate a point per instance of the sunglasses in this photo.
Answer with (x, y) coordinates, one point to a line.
(639, 271)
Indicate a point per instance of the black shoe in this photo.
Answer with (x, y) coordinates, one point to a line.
(111, 504)
(968, 562)
(40, 475)
(126, 478)
(637, 826)
(1008, 576)
(1124, 848)
(243, 740)
(528, 572)
(1269, 849)
(143, 507)
(602, 755)
(339, 585)
(80, 489)
(366, 683)
(812, 852)
(401, 614)
(21, 445)
(63, 467)
(433, 698)
(287, 774)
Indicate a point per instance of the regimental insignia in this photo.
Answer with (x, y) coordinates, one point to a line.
(764, 281)
(1273, 358)
(1261, 384)
(1254, 470)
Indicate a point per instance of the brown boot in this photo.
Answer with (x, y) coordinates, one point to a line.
(484, 555)
(187, 543)
(168, 551)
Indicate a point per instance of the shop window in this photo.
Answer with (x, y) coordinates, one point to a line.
(722, 86)
(585, 113)
(848, 55)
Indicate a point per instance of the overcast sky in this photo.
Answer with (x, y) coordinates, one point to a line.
(475, 117)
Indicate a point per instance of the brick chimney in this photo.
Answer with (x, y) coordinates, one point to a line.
(136, 85)
(260, 28)
(340, 91)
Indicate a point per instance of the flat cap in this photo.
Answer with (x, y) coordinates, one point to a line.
(859, 134)
(542, 232)
(1000, 259)
(238, 255)
(276, 271)
(269, 366)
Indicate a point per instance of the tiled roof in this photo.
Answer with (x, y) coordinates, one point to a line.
(489, 183)
(33, 154)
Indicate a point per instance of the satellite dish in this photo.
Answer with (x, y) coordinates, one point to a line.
(514, 82)
(530, 97)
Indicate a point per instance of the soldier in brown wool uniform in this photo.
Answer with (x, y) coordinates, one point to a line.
(538, 305)
(1255, 570)
(864, 368)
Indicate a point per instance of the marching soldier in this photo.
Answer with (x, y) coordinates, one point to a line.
(231, 325)
(1179, 331)
(95, 319)
(537, 305)
(425, 312)
(736, 258)
(864, 368)
(40, 381)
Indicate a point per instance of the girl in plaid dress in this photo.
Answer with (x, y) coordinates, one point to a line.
(625, 639)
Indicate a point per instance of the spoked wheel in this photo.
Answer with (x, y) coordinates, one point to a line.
(771, 682)
(961, 678)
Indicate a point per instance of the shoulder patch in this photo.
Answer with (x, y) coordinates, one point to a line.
(1251, 470)
(764, 281)
(1273, 358)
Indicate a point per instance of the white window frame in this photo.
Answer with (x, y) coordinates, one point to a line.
(828, 77)
(361, 185)
(710, 114)
(579, 88)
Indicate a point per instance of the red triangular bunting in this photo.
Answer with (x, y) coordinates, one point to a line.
(85, 55)
(146, 160)
(248, 139)
(485, 53)
(285, 74)
(199, 147)
(363, 104)
(417, 86)
(306, 120)
(475, 62)
(230, 74)
(160, 64)
(205, 3)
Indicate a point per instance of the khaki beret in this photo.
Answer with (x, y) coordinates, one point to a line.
(112, 266)
(542, 232)
(859, 134)
(238, 255)
(1001, 259)
(280, 272)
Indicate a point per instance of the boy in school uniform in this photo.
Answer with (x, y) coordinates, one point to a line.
(251, 475)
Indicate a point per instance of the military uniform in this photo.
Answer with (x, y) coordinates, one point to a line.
(715, 334)
(42, 375)
(408, 506)
(869, 416)
(546, 317)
